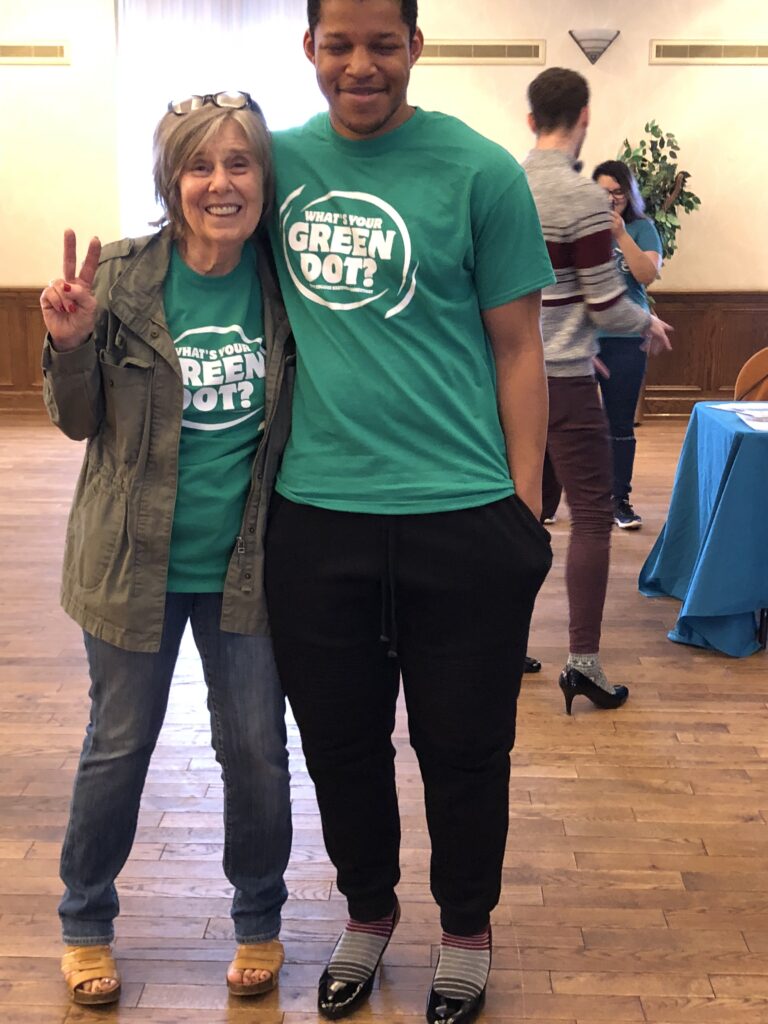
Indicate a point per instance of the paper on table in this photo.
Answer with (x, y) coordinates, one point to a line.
(758, 422)
(754, 414)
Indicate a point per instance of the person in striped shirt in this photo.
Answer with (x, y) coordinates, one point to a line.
(588, 295)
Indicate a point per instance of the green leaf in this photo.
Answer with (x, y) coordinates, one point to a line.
(653, 160)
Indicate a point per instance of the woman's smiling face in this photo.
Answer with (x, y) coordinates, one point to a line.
(221, 192)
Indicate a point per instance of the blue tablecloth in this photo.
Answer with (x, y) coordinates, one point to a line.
(713, 551)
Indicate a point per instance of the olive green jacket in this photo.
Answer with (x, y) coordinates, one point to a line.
(122, 390)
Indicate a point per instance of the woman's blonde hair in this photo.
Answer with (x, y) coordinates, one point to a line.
(178, 137)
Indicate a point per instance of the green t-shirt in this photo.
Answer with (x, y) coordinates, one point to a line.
(388, 249)
(643, 232)
(217, 326)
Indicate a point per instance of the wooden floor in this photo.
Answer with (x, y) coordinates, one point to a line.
(636, 878)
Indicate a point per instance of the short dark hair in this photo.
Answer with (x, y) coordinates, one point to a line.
(557, 96)
(626, 180)
(409, 10)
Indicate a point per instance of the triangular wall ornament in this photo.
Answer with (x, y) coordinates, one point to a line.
(593, 42)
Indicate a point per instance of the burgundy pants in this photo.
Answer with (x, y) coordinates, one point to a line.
(578, 448)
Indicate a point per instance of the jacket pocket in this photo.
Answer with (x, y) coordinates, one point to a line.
(127, 388)
(96, 528)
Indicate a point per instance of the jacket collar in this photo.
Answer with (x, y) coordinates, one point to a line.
(136, 297)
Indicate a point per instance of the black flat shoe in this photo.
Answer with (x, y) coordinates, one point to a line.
(337, 999)
(532, 665)
(446, 1010)
(572, 683)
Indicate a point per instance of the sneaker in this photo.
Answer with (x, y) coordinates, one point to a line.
(625, 516)
(549, 520)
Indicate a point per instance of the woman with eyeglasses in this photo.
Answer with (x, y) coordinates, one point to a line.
(638, 252)
(168, 353)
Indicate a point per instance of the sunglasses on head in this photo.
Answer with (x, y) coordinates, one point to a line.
(229, 100)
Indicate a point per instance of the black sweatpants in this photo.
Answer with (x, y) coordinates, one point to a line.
(451, 594)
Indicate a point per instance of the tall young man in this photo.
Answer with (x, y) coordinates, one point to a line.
(587, 294)
(404, 536)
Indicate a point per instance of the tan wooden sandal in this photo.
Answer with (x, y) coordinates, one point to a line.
(261, 956)
(89, 963)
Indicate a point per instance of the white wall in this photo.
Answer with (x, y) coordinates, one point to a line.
(58, 164)
(717, 113)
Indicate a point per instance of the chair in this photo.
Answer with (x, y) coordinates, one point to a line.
(752, 381)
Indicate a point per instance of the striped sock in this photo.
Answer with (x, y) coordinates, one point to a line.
(358, 950)
(463, 967)
(589, 666)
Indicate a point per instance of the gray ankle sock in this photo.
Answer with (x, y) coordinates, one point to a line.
(358, 950)
(589, 665)
(465, 961)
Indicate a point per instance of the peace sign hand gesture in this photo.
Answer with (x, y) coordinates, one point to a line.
(68, 303)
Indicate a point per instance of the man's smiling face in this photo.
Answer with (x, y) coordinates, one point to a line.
(363, 55)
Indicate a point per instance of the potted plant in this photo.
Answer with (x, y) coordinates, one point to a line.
(662, 185)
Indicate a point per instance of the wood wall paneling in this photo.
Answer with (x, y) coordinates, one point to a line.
(7, 333)
(34, 330)
(715, 334)
(21, 338)
(745, 331)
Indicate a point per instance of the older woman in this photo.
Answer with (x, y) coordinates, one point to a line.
(168, 353)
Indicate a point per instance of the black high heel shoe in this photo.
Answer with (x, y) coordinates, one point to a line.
(446, 1010)
(337, 999)
(572, 683)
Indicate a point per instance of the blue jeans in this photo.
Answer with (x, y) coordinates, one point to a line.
(621, 391)
(129, 695)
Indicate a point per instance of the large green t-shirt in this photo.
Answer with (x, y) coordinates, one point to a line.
(388, 249)
(217, 326)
